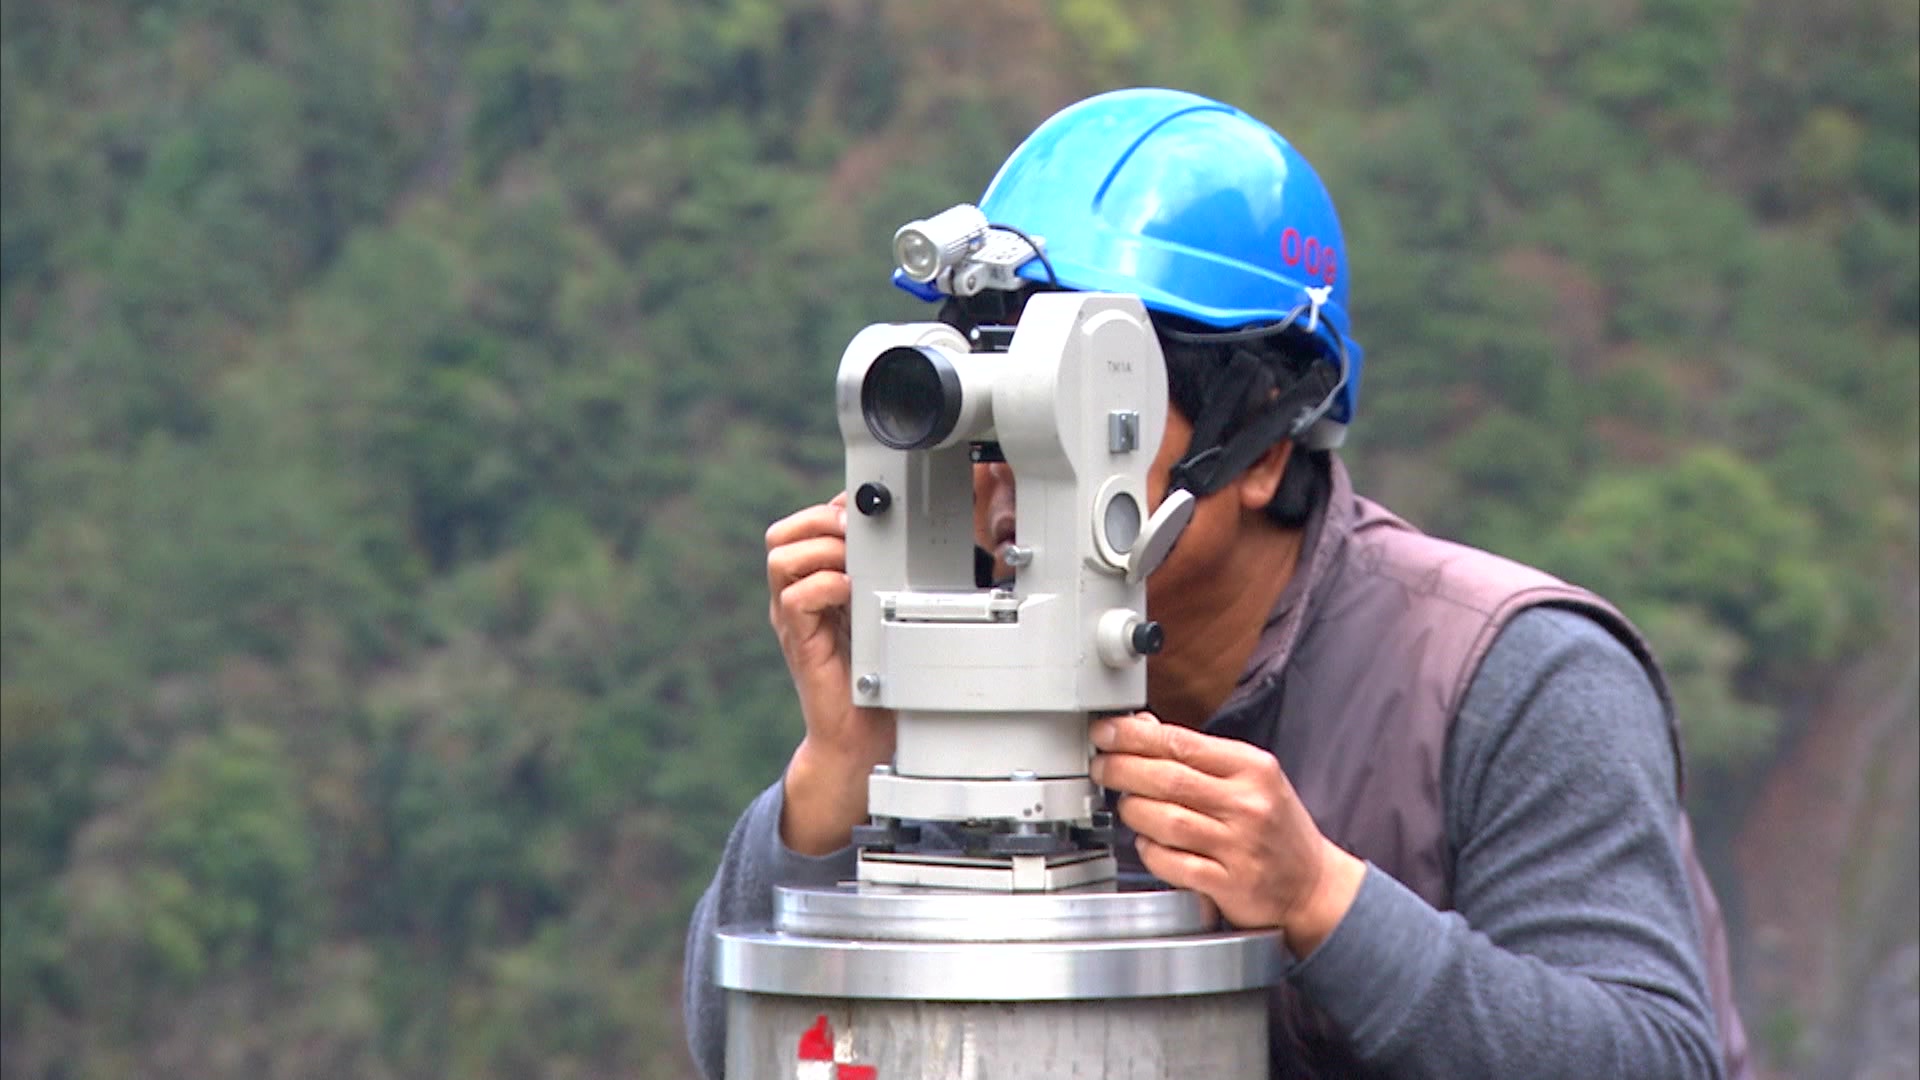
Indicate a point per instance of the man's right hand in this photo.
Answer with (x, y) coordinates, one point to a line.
(826, 780)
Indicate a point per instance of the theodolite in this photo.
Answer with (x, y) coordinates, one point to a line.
(993, 686)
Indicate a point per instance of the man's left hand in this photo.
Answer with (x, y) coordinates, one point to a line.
(1220, 817)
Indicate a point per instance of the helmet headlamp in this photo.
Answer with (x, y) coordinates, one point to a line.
(929, 247)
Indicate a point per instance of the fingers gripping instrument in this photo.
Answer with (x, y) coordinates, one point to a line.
(993, 687)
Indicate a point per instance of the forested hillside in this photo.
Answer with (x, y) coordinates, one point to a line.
(395, 393)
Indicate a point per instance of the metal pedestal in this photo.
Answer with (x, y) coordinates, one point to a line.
(866, 982)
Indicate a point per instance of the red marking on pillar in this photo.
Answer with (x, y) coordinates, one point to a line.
(817, 1043)
(816, 1060)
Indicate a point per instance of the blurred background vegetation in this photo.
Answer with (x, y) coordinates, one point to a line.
(395, 394)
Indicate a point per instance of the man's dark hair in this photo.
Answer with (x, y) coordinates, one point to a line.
(1195, 372)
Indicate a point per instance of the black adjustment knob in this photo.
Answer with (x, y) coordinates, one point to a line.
(1099, 833)
(872, 498)
(1147, 638)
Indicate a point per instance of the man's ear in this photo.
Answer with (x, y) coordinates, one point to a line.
(1256, 486)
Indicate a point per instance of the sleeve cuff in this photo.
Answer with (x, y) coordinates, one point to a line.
(789, 867)
(1371, 973)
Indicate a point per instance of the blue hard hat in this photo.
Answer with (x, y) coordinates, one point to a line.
(1194, 206)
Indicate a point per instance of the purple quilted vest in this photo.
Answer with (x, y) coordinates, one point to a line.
(1364, 740)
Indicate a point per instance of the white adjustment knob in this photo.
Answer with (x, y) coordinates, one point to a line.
(1122, 636)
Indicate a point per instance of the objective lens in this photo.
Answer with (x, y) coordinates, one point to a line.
(910, 398)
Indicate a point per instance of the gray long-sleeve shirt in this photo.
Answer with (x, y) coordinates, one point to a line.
(1572, 949)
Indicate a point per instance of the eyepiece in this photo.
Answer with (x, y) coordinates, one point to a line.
(911, 397)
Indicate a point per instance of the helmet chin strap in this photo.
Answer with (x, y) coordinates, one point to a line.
(1210, 462)
(1206, 470)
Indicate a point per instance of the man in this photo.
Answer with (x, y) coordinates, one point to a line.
(1450, 781)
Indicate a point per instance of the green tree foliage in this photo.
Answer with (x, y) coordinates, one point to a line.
(215, 873)
(395, 396)
(1701, 659)
(1708, 532)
